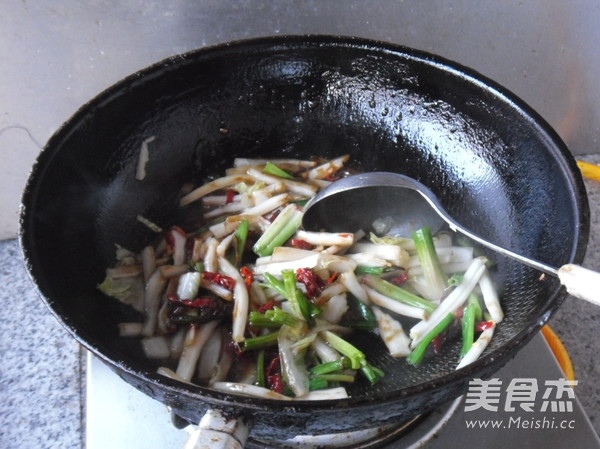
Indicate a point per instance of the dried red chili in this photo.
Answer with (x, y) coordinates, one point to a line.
(219, 279)
(301, 244)
(332, 278)
(438, 342)
(230, 196)
(484, 325)
(247, 275)
(269, 305)
(399, 279)
(273, 374)
(313, 283)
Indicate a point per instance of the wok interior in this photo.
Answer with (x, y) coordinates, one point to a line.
(494, 167)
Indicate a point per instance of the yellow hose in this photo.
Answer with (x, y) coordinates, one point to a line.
(559, 351)
(588, 170)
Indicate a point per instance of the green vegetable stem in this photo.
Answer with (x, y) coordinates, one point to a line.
(417, 355)
(398, 293)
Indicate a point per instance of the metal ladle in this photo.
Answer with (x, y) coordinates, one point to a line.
(358, 201)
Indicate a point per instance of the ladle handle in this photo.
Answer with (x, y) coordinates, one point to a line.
(580, 282)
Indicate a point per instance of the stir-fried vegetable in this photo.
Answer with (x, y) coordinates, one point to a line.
(277, 311)
(417, 354)
(279, 231)
(434, 276)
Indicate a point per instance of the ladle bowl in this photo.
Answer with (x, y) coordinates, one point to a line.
(392, 201)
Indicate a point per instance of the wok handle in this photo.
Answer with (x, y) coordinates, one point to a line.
(580, 282)
(216, 431)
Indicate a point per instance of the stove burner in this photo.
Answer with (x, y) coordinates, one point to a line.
(413, 434)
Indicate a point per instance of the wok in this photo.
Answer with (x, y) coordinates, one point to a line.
(493, 162)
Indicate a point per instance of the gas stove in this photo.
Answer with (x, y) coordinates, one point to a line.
(528, 403)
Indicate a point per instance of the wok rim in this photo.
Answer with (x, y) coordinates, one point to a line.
(484, 364)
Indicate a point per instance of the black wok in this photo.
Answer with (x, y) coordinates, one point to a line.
(494, 163)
